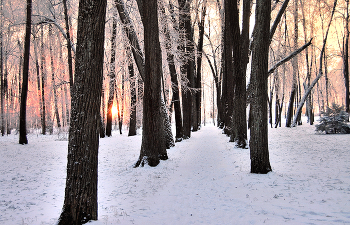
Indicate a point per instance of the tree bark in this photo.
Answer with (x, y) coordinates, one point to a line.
(259, 153)
(23, 108)
(153, 147)
(80, 202)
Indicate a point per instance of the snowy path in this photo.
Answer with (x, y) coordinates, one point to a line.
(198, 190)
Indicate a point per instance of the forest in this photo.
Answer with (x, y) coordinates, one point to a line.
(81, 69)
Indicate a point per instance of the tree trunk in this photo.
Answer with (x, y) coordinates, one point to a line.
(69, 47)
(111, 79)
(228, 73)
(37, 67)
(132, 125)
(43, 81)
(198, 114)
(80, 202)
(346, 60)
(131, 34)
(2, 87)
(174, 80)
(240, 57)
(23, 108)
(295, 68)
(187, 67)
(259, 153)
(53, 79)
(153, 147)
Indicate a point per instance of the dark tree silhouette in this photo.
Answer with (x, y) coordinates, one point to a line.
(23, 108)
(80, 202)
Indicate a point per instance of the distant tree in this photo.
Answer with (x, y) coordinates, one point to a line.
(80, 202)
(259, 153)
(111, 79)
(23, 107)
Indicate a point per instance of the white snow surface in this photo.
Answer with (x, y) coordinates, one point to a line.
(206, 180)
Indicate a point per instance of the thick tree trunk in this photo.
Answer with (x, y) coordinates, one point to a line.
(80, 202)
(240, 58)
(153, 147)
(228, 71)
(23, 108)
(259, 153)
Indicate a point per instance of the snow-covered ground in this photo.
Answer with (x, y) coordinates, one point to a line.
(205, 181)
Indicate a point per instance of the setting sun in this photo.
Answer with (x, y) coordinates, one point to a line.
(115, 110)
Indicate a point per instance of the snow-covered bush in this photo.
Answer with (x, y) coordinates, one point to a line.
(334, 120)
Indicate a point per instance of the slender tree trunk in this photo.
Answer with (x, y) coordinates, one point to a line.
(43, 79)
(199, 68)
(2, 87)
(132, 78)
(111, 80)
(153, 147)
(346, 59)
(23, 108)
(69, 47)
(37, 67)
(80, 202)
(259, 153)
(53, 82)
(295, 68)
